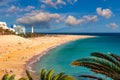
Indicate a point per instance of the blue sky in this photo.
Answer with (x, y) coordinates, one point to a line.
(63, 15)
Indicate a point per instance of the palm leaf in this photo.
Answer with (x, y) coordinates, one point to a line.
(58, 76)
(12, 77)
(115, 56)
(92, 77)
(106, 57)
(107, 66)
(66, 77)
(22, 79)
(5, 77)
(28, 75)
(43, 74)
(49, 74)
(94, 66)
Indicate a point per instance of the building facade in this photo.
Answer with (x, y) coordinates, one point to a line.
(3, 25)
(19, 29)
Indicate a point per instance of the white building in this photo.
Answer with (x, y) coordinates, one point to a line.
(19, 29)
(3, 25)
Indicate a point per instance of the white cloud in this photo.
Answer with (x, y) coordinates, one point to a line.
(90, 18)
(38, 18)
(42, 6)
(14, 9)
(61, 2)
(49, 3)
(112, 25)
(28, 8)
(72, 21)
(57, 3)
(107, 13)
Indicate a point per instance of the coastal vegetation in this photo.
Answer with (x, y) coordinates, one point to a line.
(27, 35)
(6, 31)
(43, 76)
(30, 35)
(100, 63)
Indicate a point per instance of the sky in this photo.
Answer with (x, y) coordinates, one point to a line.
(72, 16)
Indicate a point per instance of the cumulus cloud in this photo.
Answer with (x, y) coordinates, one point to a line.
(15, 9)
(38, 19)
(53, 3)
(57, 3)
(72, 21)
(49, 3)
(61, 2)
(112, 25)
(90, 18)
(29, 8)
(107, 13)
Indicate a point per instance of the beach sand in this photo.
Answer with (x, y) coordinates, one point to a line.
(16, 52)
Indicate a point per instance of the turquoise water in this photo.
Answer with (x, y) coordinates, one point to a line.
(60, 58)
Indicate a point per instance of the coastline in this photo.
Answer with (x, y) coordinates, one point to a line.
(20, 52)
(36, 58)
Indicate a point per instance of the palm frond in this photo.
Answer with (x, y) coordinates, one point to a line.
(107, 66)
(90, 76)
(43, 74)
(49, 74)
(5, 77)
(57, 76)
(115, 56)
(28, 75)
(98, 67)
(12, 77)
(23, 79)
(106, 57)
(67, 77)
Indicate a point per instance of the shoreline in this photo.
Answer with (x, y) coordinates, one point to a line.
(17, 53)
(36, 58)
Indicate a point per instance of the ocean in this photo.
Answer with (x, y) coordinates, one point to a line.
(61, 57)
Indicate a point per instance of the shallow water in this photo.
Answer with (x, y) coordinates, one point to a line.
(60, 58)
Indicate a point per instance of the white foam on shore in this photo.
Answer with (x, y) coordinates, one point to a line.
(38, 57)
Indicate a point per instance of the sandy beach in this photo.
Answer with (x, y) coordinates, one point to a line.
(16, 52)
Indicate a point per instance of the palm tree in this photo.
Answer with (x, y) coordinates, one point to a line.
(106, 64)
(43, 76)
(51, 76)
(7, 77)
